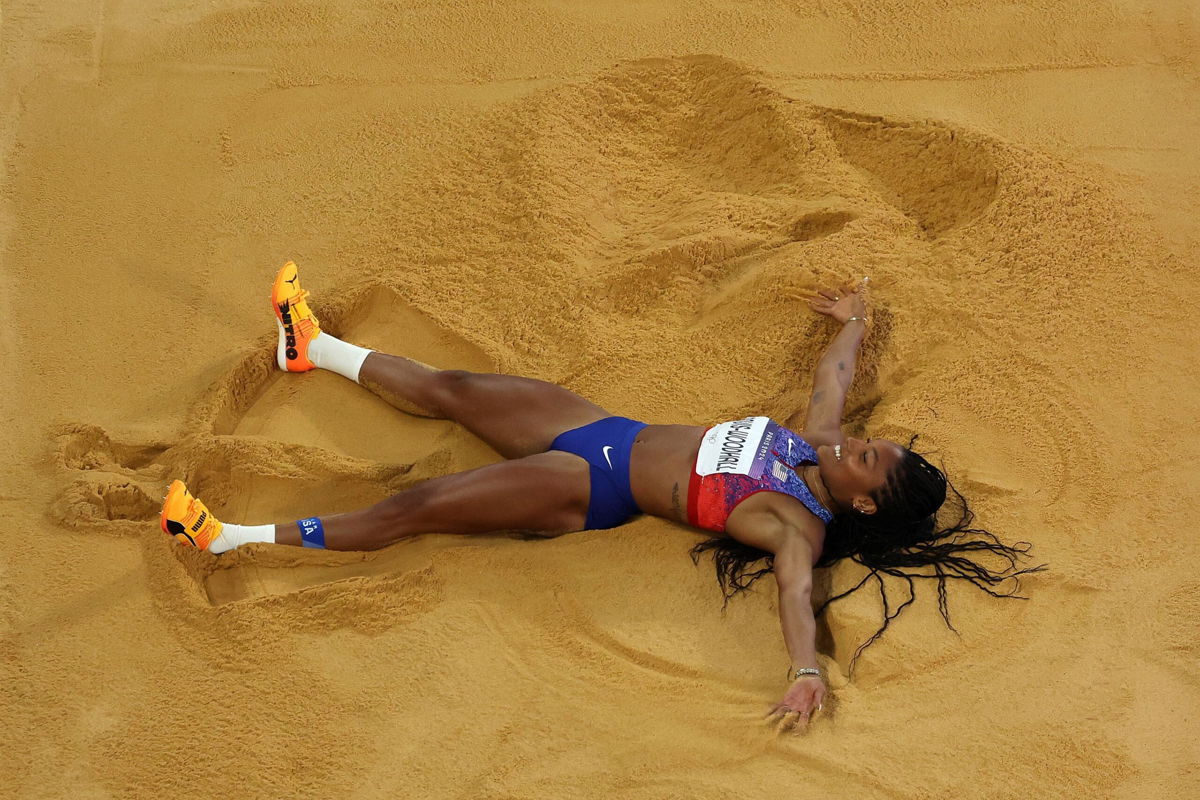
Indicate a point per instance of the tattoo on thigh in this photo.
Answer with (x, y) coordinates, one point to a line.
(675, 501)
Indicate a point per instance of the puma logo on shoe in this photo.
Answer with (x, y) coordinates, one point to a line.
(608, 447)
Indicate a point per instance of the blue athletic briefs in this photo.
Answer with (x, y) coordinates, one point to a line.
(606, 445)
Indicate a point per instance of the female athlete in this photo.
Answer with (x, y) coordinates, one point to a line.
(798, 500)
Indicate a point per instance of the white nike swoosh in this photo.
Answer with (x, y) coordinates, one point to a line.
(789, 448)
(608, 447)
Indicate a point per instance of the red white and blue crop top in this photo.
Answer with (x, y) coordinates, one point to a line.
(744, 457)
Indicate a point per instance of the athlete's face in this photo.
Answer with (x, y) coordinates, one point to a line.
(862, 469)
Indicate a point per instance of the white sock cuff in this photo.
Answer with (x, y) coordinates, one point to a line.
(237, 535)
(329, 352)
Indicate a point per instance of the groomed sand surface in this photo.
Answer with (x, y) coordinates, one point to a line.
(624, 199)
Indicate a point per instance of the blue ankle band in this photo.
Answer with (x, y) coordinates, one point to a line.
(312, 532)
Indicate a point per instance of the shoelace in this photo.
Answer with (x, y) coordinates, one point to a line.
(304, 325)
(300, 297)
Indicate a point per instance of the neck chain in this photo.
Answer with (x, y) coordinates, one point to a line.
(811, 475)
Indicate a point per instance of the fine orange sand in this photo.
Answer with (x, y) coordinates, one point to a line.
(621, 198)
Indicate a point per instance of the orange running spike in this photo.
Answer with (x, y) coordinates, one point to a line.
(298, 326)
(187, 519)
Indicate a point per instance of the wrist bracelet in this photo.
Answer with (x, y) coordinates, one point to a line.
(799, 673)
(852, 319)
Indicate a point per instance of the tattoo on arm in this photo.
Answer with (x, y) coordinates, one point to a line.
(841, 366)
(675, 501)
(818, 397)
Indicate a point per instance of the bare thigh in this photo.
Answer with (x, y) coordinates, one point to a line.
(516, 416)
(545, 493)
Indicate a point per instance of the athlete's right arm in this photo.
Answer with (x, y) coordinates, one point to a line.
(831, 382)
(835, 369)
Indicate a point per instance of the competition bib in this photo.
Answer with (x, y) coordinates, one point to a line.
(737, 448)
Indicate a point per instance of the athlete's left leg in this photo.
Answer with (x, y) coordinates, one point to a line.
(547, 493)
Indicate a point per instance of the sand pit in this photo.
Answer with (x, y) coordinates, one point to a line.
(628, 202)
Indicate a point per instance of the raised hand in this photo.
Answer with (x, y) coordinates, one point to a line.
(841, 302)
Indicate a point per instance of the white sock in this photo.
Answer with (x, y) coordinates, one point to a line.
(329, 352)
(237, 535)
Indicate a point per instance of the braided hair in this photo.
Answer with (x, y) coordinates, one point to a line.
(901, 539)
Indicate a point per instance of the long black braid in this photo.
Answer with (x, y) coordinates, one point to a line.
(901, 536)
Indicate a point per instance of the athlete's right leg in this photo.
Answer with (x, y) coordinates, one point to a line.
(516, 416)
(409, 385)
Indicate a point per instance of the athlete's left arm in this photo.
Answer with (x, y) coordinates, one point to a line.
(793, 574)
(795, 554)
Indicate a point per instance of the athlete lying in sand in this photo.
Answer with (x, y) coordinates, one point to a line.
(800, 500)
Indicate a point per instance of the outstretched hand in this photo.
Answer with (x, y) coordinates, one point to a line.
(804, 698)
(841, 302)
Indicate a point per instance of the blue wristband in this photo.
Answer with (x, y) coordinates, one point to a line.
(312, 532)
